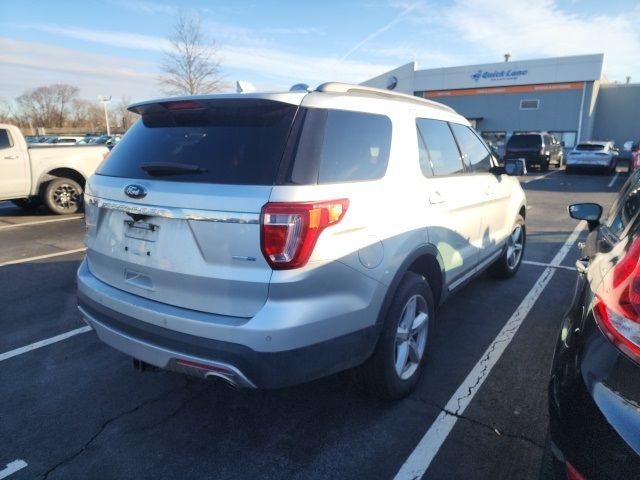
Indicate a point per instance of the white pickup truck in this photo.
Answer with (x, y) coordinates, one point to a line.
(55, 176)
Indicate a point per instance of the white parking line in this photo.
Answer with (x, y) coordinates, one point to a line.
(418, 462)
(41, 257)
(12, 468)
(41, 222)
(539, 177)
(43, 343)
(613, 180)
(540, 264)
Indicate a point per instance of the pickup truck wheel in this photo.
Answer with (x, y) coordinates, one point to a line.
(394, 369)
(31, 203)
(63, 196)
(511, 259)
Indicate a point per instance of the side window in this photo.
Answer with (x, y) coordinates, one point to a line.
(5, 139)
(355, 147)
(441, 148)
(475, 154)
(625, 212)
(423, 156)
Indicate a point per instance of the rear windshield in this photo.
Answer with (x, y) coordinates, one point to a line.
(227, 141)
(524, 141)
(590, 147)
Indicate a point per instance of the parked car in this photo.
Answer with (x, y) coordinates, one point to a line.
(537, 149)
(632, 150)
(63, 140)
(54, 175)
(593, 155)
(266, 239)
(594, 393)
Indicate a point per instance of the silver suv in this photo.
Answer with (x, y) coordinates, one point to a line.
(271, 239)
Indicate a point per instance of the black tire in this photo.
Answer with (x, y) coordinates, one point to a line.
(544, 167)
(569, 170)
(31, 203)
(63, 196)
(506, 266)
(378, 375)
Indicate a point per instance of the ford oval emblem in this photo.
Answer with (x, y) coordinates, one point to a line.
(135, 191)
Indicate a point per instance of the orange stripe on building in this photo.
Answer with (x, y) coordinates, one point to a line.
(543, 87)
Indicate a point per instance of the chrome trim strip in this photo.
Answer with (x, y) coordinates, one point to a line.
(175, 212)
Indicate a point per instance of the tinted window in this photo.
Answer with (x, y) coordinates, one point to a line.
(441, 147)
(625, 211)
(5, 139)
(224, 141)
(476, 155)
(590, 147)
(524, 141)
(340, 146)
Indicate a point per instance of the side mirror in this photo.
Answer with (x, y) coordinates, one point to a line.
(515, 167)
(591, 212)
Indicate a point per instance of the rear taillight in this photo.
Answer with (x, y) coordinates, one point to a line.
(289, 231)
(617, 307)
(572, 472)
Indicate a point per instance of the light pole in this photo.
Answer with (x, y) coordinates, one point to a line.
(104, 101)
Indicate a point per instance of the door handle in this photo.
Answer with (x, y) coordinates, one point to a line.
(435, 198)
(10, 157)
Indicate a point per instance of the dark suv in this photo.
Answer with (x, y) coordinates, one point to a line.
(537, 149)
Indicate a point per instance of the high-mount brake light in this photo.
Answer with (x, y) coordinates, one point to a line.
(182, 105)
(289, 231)
(617, 306)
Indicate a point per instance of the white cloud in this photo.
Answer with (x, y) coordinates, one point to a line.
(251, 57)
(542, 29)
(28, 65)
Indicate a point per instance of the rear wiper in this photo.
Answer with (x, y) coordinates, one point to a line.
(165, 169)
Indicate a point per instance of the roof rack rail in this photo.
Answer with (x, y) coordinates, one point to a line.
(337, 87)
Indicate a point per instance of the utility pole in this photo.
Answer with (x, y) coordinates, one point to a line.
(104, 101)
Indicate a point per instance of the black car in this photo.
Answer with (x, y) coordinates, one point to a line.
(594, 392)
(537, 149)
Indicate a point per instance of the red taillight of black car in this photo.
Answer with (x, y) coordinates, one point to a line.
(289, 231)
(617, 306)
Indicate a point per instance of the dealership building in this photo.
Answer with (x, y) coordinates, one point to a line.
(566, 96)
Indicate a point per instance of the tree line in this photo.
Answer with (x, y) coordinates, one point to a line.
(59, 106)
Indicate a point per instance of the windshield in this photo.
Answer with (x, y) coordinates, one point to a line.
(590, 147)
(227, 141)
(524, 141)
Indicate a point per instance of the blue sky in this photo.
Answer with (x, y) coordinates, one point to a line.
(113, 47)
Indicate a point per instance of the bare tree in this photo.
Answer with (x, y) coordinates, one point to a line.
(46, 106)
(191, 66)
(125, 118)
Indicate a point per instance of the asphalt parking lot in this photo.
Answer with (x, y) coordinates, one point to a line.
(75, 408)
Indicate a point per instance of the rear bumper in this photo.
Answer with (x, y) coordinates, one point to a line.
(139, 328)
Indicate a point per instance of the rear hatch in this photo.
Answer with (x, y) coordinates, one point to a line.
(173, 214)
(590, 152)
(524, 146)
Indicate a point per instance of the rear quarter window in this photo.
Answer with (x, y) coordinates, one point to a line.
(338, 146)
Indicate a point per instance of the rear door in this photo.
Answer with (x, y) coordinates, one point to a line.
(14, 169)
(453, 214)
(174, 212)
(492, 194)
